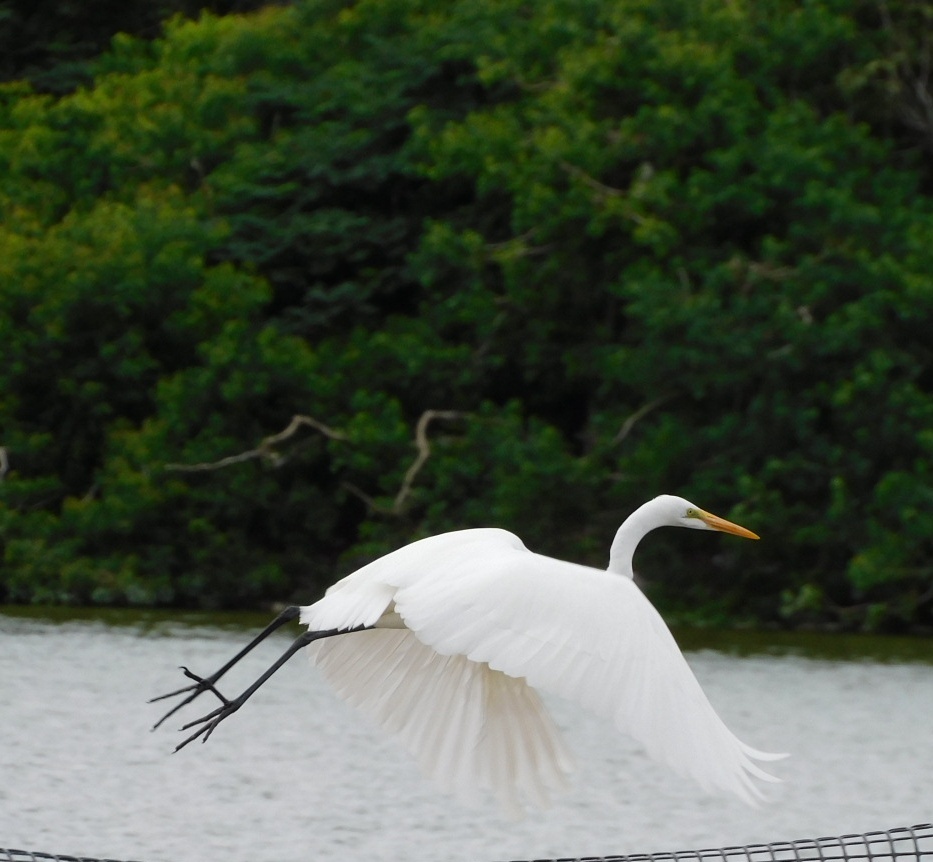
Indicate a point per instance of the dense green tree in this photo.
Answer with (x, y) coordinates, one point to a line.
(511, 264)
(52, 43)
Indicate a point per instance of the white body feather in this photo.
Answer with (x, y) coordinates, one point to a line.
(469, 624)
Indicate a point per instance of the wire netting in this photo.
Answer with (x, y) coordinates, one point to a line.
(904, 844)
(31, 856)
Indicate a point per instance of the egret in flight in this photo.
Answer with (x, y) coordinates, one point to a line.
(447, 641)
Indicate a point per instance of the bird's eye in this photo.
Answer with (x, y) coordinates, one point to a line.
(691, 512)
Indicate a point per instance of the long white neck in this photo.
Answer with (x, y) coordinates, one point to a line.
(634, 528)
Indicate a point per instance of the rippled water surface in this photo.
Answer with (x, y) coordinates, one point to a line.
(296, 775)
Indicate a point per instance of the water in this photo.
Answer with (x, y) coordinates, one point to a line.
(296, 775)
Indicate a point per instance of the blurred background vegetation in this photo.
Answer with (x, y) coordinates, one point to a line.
(508, 263)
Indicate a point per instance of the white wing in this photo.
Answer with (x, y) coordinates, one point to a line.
(478, 599)
(469, 728)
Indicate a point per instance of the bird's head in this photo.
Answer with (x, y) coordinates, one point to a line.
(683, 513)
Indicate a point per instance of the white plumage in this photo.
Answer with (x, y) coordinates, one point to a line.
(468, 625)
(446, 642)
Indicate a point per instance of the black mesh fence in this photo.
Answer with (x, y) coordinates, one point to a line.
(904, 844)
(29, 855)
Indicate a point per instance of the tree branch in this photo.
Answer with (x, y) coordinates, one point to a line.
(911, 68)
(265, 450)
(636, 417)
(424, 452)
(604, 191)
(4, 462)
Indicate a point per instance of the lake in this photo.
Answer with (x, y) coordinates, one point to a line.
(297, 775)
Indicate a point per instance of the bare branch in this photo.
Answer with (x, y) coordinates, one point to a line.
(4, 462)
(296, 423)
(515, 247)
(424, 452)
(369, 501)
(265, 450)
(637, 416)
(591, 181)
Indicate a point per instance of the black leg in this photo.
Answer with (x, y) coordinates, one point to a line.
(228, 707)
(202, 684)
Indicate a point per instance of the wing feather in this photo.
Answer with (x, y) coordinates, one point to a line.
(479, 623)
(584, 634)
(470, 728)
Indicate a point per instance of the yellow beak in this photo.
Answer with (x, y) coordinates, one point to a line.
(717, 523)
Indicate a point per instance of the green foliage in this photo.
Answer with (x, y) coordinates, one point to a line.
(627, 248)
(53, 43)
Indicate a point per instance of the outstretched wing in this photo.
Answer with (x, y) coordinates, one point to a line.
(589, 636)
(470, 728)
(485, 612)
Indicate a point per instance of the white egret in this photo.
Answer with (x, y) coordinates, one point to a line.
(447, 641)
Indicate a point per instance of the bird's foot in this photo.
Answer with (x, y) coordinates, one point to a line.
(210, 721)
(201, 684)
